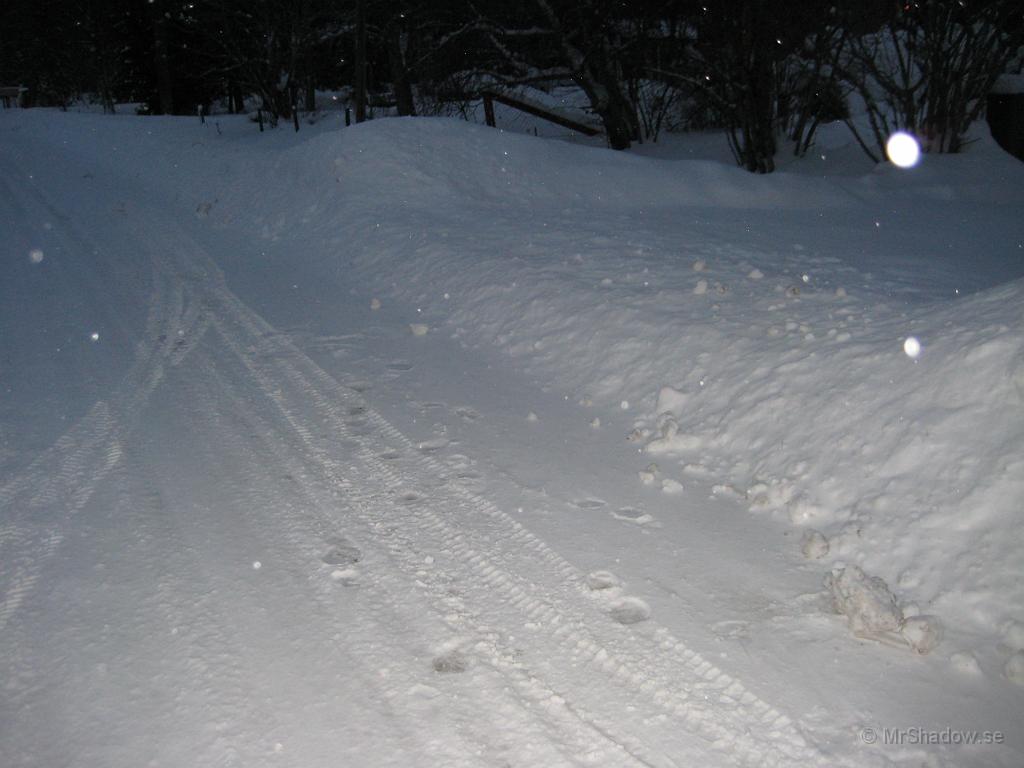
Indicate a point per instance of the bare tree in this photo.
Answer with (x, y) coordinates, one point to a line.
(930, 67)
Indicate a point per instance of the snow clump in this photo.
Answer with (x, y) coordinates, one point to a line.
(870, 608)
(1014, 669)
(814, 545)
(922, 633)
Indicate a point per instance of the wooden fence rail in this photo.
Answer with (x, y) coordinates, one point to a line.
(534, 109)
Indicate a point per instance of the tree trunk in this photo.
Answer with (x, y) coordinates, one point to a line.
(310, 81)
(236, 104)
(604, 90)
(310, 95)
(360, 73)
(757, 99)
(400, 74)
(161, 62)
(758, 118)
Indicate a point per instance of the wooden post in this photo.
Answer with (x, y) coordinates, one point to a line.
(489, 110)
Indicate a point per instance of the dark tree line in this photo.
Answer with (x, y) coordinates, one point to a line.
(767, 71)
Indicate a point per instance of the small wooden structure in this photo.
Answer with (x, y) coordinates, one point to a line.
(10, 95)
(535, 109)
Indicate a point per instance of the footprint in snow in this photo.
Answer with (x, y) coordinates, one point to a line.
(634, 515)
(342, 558)
(435, 444)
(629, 610)
(733, 630)
(359, 427)
(625, 610)
(409, 497)
(601, 580)
(342, 552)
(347, 577)
(588, 503)
(467, 413)
(451, 661)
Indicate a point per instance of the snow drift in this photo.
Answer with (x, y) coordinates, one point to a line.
(757, 307)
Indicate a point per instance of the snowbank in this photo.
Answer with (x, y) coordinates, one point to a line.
(763, 305)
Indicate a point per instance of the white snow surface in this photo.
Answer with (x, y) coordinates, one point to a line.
(247, 519)
(796, 390)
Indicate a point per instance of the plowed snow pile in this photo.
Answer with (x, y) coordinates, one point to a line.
(758, 325)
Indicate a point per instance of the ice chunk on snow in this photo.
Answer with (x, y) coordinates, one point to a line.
(599, 580)
(814, 545)
(1013, 636)
(671, 441)
(764, 497)
(1014, 669)
(922, 633)
(671, 400)
(648, 475)
(801, 511)
(670, 486)
(870, 608)
(965, 663)
(637, 435)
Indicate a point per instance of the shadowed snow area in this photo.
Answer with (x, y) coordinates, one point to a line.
(420, 443)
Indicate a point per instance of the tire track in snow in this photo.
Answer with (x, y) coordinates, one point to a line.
(37, 503)
(654, 665)
(385, 613)
(403, 550)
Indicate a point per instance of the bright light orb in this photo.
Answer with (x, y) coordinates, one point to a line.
(912, 347)
(903, 150)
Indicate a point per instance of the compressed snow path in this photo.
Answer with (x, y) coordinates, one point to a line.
(195, 517)
(239, 549)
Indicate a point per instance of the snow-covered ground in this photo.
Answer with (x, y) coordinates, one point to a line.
(421, 443)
